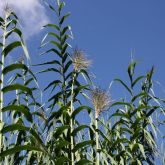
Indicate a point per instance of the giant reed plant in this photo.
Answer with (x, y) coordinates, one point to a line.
(65, 90)
(16, 117)
(129, 139)
(101, 101)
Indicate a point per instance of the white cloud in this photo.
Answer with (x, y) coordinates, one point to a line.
(31, 13)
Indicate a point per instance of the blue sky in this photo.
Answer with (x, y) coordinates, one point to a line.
(107, 30)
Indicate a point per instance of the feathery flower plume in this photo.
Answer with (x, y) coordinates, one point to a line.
(7, 9)
(100, 100)
(79, 60)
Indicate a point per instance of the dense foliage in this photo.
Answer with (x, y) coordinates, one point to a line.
(51, 132)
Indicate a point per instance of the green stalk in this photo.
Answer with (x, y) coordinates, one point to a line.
(97, 142)
(17, 97)
(24, 80)
(2, 78)
(71, 120)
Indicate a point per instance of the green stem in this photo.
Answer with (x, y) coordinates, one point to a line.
(17, 97)
(62, 63)
(2, 80)
(24, 80)
(71, 120)
(97, 142)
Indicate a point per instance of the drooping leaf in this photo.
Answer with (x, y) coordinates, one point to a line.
(79, 109)
(18, 127)
(49, 63)
(16, 149)
(17, 87)
(82, 144)
(11, 46)
(53, 25)
(60, 130)
(128, 89)
(14, 67)
(53, 83)
(14, 30)
(19, 108)
(79, 128)
(84, 162)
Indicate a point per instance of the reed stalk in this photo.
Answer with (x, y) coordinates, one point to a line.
(97, 142)
(2, 76)
(100, 100)
(71, 119)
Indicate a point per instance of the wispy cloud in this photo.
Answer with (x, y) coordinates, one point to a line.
(31, 13)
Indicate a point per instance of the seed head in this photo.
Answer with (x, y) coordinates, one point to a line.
(79, 60)
(100, 100)
(7, 9)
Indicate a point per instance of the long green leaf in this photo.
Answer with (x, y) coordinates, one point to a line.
(60, 130)
(18, 127)
(79, 109)
(82, 144)
(79, 128)
(18, 149)
(53, 25)
(128, 89)
(19, 108)
(11, 46)
(17, 87)
(14, 67)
